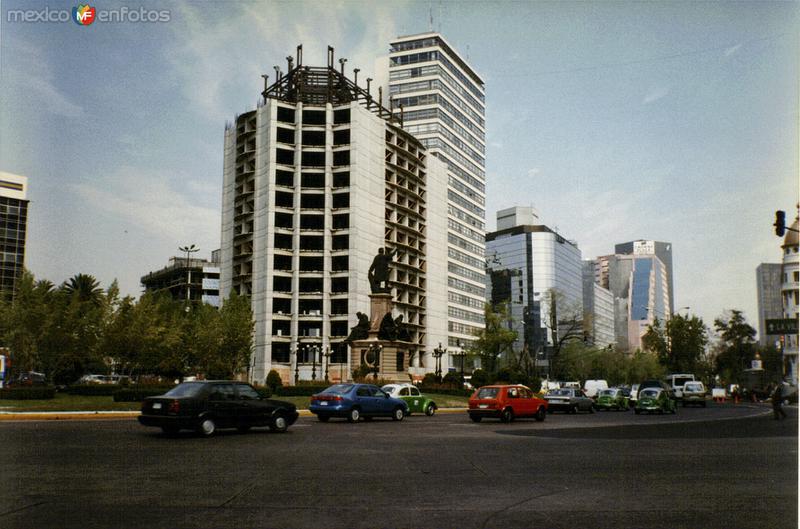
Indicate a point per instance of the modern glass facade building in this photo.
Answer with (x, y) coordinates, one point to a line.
(440, 99)
(598, 309)
(13, 230)
(539, 274)
(316, 180)
(662, 250)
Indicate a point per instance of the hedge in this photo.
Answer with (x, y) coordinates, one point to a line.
(105, 390)
(139, 393)
(447, 391)
(28, 393)
(300, 391)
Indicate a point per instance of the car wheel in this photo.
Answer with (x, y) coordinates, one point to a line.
(430, 410)
(507, 416)
(398, 414)
(170, 430)
(207, 427)
(354, 415)
(637, 411)
(475, 418)
(279, 424)
(540, 414)
(323, 418)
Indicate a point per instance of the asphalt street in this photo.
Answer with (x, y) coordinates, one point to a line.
(721, 467)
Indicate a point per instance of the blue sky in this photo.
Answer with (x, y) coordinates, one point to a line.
(674, 121)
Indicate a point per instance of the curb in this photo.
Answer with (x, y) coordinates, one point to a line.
(111, 415)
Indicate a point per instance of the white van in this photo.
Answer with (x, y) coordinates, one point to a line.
(676, 382)
(593, 387)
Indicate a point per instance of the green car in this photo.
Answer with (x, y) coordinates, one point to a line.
(655, 400)
(417, 402)
(611, 399)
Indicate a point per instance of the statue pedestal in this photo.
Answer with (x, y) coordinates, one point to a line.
(380, 306)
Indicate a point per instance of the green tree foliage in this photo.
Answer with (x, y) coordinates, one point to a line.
(580, 362)
(495, 338)
(273, 381)
(78, 328)
(680, 343)
(736, 346)
(479, 378)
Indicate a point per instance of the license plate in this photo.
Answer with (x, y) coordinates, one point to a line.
(483, 406)
(156, 405)
(323, 403)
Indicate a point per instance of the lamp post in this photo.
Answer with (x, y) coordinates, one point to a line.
(375, 352)
(437, 354)
(314, 350)
(296, 365)
(188, 250)
(327, 356)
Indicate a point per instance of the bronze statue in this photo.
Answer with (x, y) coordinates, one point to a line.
(388, 329)
(360, 331)
(378, 274)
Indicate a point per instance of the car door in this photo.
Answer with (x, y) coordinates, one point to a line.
(222, 404)
(251, 411)
(526, 403)
(365, 399)
(416, 403)
(382, 402)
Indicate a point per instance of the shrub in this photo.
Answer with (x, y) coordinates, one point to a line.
(300, 391)
(139, 393)
(28, 393)
(430, 380)
(453, 379)
(274, 380)
(479, 378)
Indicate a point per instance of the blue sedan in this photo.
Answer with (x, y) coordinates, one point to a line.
(353, 401)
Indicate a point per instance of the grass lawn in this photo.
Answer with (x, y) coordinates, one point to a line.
(64, 402)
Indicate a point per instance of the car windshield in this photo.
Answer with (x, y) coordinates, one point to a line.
(339, 389)
(560, 392)
(487, 393)
(693, 387)
(649, 392)
(608, 393)
(187, 389)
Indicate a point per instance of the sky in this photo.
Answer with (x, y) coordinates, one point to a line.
(673, 121)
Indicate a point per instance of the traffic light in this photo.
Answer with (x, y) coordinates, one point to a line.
(780, 223)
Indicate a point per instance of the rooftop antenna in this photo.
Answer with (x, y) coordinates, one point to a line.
(430, 18)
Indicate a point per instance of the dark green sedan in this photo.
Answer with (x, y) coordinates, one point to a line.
(611, 399)
(655, 400)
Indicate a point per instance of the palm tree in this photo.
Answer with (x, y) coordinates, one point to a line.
(86, 287)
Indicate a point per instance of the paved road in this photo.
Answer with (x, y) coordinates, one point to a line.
(721, 467)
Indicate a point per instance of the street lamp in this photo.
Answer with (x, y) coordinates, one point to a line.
(437, 354)
(327, 356)
(188, 250)
(296, 365)
(313, 349)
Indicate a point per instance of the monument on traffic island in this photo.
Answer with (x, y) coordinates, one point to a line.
(379, 340)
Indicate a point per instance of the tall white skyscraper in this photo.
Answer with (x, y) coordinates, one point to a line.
(440, 100)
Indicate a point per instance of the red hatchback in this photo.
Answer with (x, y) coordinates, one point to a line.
(506, 403)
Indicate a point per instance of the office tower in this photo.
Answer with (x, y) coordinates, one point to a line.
(768, 291)
(598, 309)
(662, 250)
(440, 99)
(641, 294)
(13, 228)
(538, 273)
(790, 292)
(317, 179)
(188, 279)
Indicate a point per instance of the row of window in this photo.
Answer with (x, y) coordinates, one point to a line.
(311, 243)
(436, 84)
(469, 219)
(285, 199)
(466, 272)
(313, 116)
(304, 354)
(312, 158)
(464, 258)
(312, 180)
(313, 138)
(437, 113)
(309, 285)
(433, 143)
(463, 230)
(430, 56)
(467, 301)
(475, 317)
(438, 99)
(463, 328)
(340, 221)
(461, 243)
(469, 288)
(438, 128)
(464, 203)
(435, 69)
(339, 263)
(308, 307)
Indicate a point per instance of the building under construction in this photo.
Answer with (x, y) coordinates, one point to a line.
(317, 179)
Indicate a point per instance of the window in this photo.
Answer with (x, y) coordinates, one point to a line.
(415, 392)
(280, 352)
(341, 116)
(363, 391)
(247, 392)
(285, 156)
(222, 392)
(286, 115)
(404, 392)
(313, 117)
(401, 359)
(285, 135)
(284, 178)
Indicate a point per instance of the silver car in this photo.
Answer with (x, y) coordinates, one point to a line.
(570, 400)
(694, 393)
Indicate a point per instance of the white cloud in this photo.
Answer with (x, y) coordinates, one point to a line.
(534, 172)
(147, 201)
(655, 94)
(733, 49)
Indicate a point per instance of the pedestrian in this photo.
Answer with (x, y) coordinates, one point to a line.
(777, 403)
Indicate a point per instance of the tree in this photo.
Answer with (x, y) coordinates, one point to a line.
(236, 335)
(565, 320)
(495, 338)
(85, 287)
(737, 344)
(680, 343)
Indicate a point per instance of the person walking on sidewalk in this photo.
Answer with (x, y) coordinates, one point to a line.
(777, 403)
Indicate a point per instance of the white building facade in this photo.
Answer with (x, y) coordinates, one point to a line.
(768, 294)
(790, 296)
(316, 180)
(441, 100)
